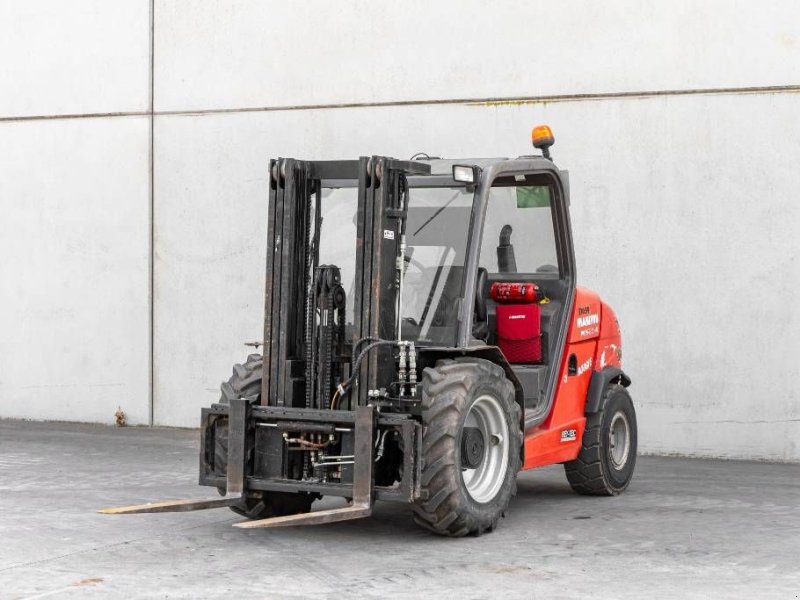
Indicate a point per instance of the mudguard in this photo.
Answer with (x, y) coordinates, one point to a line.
(598, 384)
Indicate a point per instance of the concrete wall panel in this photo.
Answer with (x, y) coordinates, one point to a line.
(74, 270)
(251, 53)
(683, 221)
(211, 197)
(76, 57)
(683, 205)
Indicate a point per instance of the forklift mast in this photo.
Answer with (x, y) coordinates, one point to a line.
(305, 360)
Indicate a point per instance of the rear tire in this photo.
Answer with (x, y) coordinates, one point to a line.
(607, 458)
(471, 444)
(245, 382)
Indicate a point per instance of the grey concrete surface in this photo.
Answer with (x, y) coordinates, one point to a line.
(686, 528)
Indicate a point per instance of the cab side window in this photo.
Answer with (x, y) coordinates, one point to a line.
(518, 233)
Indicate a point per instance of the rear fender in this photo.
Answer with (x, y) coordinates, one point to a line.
(428, 357)
(597, 386)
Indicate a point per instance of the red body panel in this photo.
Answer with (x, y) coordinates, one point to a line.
(594, 338)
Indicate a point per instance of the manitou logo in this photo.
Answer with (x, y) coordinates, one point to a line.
(516, 317)
(588, 321)
(584, 367)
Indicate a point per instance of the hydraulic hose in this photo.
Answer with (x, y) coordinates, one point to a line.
(401, 257)
(357, 345)
(344, 387)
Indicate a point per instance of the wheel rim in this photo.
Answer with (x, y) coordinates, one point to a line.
(485, 480)
(619, 438)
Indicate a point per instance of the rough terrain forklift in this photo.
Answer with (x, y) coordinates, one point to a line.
(424, 340)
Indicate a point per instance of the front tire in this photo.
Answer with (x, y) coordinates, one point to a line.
(245, 382)
(471, 444)
(607, 458)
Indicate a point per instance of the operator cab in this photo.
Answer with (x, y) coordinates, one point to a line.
(520, 287)
(472, 224)
(516, 264)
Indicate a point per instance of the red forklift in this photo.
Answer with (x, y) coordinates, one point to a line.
(424, 341)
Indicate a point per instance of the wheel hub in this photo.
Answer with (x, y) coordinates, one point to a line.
(472, 447)
(484, 448)
(619, 440)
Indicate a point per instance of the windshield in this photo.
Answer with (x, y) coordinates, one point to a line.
(436, 239)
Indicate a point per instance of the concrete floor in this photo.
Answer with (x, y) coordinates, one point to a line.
(685, 528)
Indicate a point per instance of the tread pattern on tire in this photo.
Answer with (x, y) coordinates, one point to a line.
(444, 398)
(245, 382)
(586, 474)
